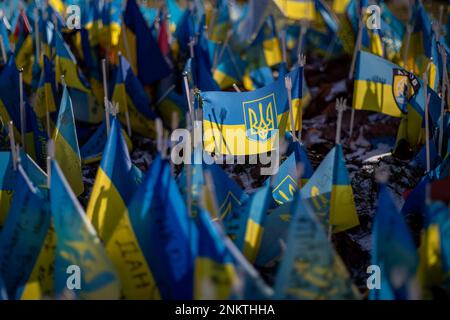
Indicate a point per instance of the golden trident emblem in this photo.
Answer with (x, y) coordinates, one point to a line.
(261, 121)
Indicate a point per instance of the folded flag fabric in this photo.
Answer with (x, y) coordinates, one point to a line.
(310, 268)
(245, 123)
(329, 193)
(67, 152)
(78, 245)
(46, 91)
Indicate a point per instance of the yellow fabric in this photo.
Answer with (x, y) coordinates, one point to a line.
(252, 242)
(213, 281)
(343, 214)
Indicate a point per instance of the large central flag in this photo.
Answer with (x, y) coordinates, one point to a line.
(67, 151)
(140, 48)
(78, 245)
(329, 193)
(245, 123)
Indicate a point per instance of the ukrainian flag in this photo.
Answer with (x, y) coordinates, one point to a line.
(340, 6)
(297, 9)
(141, 49)
(329, 193)
(77, 240)
(132, 231)
(165, 231)
(244, 123)
(215, 276)
(310, 268)
(222, 22)
(85, 107)
(287, 181)
(131, 97)
(28, 217)
(230, 198)
(115, 183)
(393, 249)
(45, 94)
(382, 86)
(268, 38)
(174, 102)
(230, 69)
(7, 179)
(111, 20)
(67, 151)
(175, 13)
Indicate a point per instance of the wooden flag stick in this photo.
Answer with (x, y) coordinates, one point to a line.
(22, 109)
(12, 143)
(427, 124)
(2, 47)
(236, 88)
(303, 30)
(50, 156)
(283, 45)
(225, 44)
(188, 97)
(165, 94)
(444, 93)
(288, 86)
(105, 96)
(341, 105)
(191, 45)
(441, 18)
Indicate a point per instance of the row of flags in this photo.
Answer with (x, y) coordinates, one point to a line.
(72, 97)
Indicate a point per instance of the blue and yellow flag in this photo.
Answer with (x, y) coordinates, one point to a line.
(230, 68)
(67, 152)
(130, 244)
(329, 193)
(79, 251)
(245, 123)
(310, 268)
(132, 98)
(140, 48)
(23, 41)
(23, 236)
(86, 108)
(116, 181)
(287, 180)
(111, 23)
(297, 9)
(393, 250)
(45, 93)
(215, 276)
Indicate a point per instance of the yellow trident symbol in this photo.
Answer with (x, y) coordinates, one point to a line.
(263, 127)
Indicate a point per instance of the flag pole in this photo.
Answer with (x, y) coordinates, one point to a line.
(36, 28)
(22, 109)
(50, 156)
(2, 47)
(105, 95)
(352, 67)
(302, 63)
(236, 88)
(188, 97)
(341, 106)
(444, 92)
(427, 124)
(303, 30)
(12, 143)
(159, 136)
(288, 86)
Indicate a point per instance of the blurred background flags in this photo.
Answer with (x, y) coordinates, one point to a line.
(85, 108)
(140, 48)
(67, 151)
(46, 91)
(329, 193)
(3, 294)
(23, 43)
(132, 98)
(310, 268)
(393, 250)
(116, 181)
(297, 9)
(78, 245)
